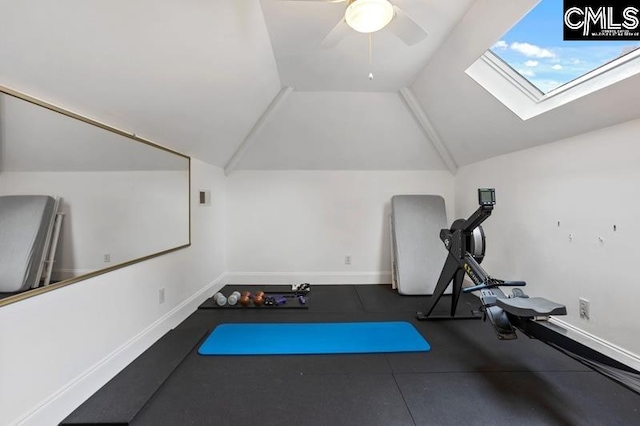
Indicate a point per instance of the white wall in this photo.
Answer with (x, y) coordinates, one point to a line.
(290, 226)
(59, 347)
(588, 183)
(118, 213)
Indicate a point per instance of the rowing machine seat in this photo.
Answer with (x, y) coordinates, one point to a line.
(530, 306)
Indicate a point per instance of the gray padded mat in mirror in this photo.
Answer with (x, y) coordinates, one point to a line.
(416, 221)
(24, 224)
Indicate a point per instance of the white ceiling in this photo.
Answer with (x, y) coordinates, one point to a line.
(199, 75)
(297, 29)
(194, 75)
(475, 125)
(368, 131)
(35, 139)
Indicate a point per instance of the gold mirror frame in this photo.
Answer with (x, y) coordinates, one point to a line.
(40, 290)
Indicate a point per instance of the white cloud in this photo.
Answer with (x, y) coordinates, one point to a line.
(531, 64)
(628, 49)
(527, 73)
(532, 51)
(557, 67)
(501, 45)
(546, 85)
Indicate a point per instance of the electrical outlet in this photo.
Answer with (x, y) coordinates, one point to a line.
(584, 308)
(161, 296)
(107, 258)
(347, 259)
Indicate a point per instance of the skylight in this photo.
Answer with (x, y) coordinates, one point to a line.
(535, 49)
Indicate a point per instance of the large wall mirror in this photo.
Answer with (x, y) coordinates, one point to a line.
(79, 198)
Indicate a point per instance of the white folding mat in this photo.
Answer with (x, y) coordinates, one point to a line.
(418, 254)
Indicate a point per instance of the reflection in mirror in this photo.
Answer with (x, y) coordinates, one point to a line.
(109, 199)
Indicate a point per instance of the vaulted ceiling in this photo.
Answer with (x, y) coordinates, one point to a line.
(36, 139)
(207, 77)
(297, 29)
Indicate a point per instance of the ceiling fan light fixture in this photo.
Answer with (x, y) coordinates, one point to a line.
(368, 16)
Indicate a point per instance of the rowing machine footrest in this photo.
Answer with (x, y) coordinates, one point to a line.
(501, 324)
(531, 306)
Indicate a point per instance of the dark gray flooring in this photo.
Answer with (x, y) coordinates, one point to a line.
(518, 398)
(120, 400)
(468, 377)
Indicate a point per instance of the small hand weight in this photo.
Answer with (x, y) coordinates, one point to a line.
(233, 298)
(220, 299)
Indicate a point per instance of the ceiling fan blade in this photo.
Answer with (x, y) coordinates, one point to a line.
(406, 28)
(335, 35)
(401, 3)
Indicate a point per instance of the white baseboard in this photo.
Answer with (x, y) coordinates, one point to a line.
(314, 278)
(596, 343)
(60, 404)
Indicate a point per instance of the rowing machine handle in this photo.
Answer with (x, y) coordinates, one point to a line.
(514, 283)
(505, 283)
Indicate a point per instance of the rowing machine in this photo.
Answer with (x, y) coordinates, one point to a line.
(466, 245)
(465, 242)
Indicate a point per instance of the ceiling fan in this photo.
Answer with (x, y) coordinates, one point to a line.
(368, 16)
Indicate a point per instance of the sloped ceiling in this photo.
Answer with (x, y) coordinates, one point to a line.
(35, 139)
(297, 29)
(192, 75)
(368, 131)
(200, 76)
(475, 125)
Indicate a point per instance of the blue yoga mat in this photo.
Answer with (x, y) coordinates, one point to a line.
(313, 338)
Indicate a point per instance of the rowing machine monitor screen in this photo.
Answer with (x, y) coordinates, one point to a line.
(486, 196)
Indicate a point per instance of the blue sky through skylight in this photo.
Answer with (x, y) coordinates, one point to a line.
(535, 49)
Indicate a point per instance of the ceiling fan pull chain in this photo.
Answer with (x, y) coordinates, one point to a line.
(370, 62)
